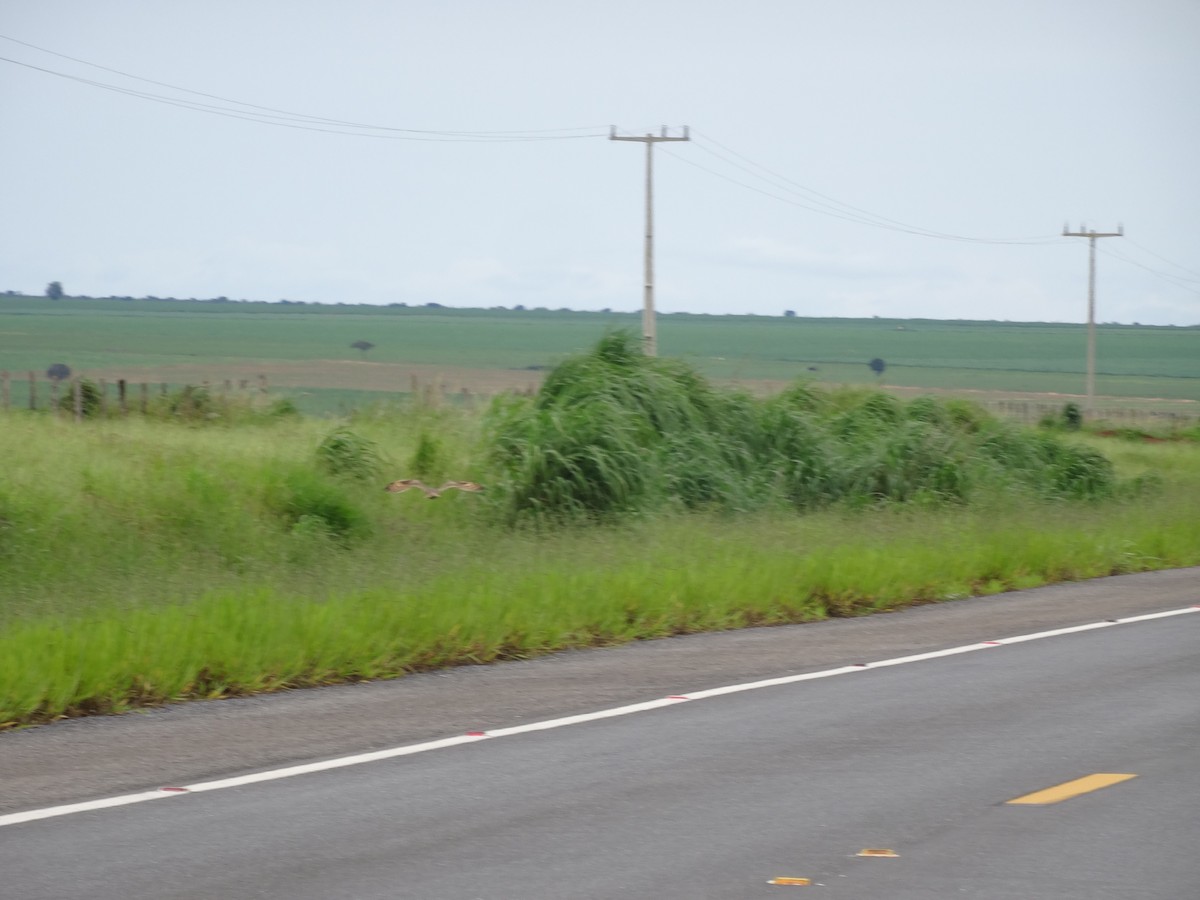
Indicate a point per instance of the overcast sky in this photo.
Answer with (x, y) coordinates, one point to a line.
(993, 120)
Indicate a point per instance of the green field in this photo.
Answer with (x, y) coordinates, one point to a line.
(226, 545)
(132, 338)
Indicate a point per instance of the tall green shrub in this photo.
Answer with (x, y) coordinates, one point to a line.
(615, 432)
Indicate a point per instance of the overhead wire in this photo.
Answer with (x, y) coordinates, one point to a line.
(268, 115)
(1193, 272)
(807, 198)
(1187, 284)
(801, 196)
(823, 204)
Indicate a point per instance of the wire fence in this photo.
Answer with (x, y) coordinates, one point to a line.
(79, 397)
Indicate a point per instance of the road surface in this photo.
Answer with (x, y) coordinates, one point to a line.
(708, 797)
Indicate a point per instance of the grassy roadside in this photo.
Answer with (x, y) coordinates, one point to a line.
(156, 574)
(215, 547)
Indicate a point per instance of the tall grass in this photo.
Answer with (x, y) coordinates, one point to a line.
(143, 561)
(614, 432)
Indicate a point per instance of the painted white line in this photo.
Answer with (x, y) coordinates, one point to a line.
(34, 815)
(585, 717)
(49, 812)
(1037, 636)
(340, 763)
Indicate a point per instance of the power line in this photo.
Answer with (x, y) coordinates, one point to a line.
(825, 205)
(1187, 284)
(832, 202)
(1164, 259)
(267, 115)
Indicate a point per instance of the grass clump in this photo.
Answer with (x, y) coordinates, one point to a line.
(346, 454)
(614, 432)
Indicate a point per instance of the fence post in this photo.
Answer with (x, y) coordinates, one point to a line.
(77, 386)
(121, 397)
(33, 390)
(262, 384)
(54, 382)
(145, 403)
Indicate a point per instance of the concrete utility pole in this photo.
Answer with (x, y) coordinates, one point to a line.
(649, 330)
(1091, 330)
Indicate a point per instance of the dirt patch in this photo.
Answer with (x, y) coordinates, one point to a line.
(342, 374)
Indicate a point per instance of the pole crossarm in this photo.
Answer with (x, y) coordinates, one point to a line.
(649, 138)
(1091, 235)
(649, 327)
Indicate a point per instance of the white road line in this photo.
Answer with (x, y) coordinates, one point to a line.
(34, 815)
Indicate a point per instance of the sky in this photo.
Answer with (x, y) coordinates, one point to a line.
(914, 159)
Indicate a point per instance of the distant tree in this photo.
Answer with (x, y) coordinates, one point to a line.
(519, 307)
(54, 290)
(1072, 417)
(877, 366)
(58, 372)
(364, 346)
(789, 313)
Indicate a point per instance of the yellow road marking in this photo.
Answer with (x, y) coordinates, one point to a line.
(1070, 789)
(889, 854)
(796, 881)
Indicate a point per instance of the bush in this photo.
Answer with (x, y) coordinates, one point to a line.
(307, 503)
(1072, 417)
(91, 401)
(345, 454)
(614, 432)
(428, 459)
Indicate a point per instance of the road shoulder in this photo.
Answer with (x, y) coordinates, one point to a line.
(85, 759)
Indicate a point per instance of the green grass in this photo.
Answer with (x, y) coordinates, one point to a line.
(514, 600)
(150, 560)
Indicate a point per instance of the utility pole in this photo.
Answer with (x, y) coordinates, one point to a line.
(649, 330)
(1091, 323)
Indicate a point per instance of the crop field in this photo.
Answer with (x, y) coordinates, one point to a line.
(485, 351)
(220, 543)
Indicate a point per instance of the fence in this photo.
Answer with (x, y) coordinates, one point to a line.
(81, 397)
(1133, 417)
(74, 396)
(122, 397)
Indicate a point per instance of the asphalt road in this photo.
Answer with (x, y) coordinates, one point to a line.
(712, 798)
